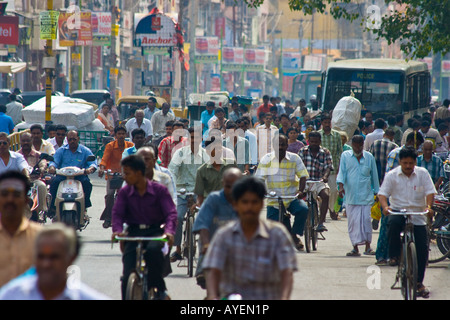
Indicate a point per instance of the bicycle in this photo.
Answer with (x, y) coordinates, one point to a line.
(439, 231)
(284, 216)
(189, 246)
(407, 265)
(137, 285)
(115, 181)
(282, 212)
(312, 220)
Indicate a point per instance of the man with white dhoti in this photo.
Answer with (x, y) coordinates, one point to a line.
(358, 180)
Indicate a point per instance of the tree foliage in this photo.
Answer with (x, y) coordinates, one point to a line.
(419, 26)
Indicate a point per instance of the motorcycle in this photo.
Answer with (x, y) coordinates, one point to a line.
(70, 201)
(37, 214)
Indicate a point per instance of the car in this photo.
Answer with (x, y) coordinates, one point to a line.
(29, 97)
(4, 96)
(93, 95)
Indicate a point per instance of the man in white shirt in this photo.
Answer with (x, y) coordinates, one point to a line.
(60, 138)
(377, 134)
(56, 248)
(10, 160)
(139, 121)
(264, 135)
(14, 109)
(160, 118)
(431, 134)
(39, 144)
(244, 124)
(408, 187)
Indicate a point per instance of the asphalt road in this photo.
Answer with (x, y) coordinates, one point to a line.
(326, 274)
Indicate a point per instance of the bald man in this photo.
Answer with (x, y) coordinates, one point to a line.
(139, 122)
(216, 211)
(432, 163)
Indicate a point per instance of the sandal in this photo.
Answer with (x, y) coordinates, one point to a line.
(334, 216)
(381, 262)
(353, 253)
(422, 291)
(369, 252)
(175, 256)
(393, 262)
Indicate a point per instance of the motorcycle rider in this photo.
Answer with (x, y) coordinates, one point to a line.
(72, 154)
(32, 158)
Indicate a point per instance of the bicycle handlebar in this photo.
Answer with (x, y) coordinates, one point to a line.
(137, 239)
(186, 193)
(403, 212)
(281, 197)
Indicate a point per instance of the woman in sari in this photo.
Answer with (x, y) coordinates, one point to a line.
(106, 119)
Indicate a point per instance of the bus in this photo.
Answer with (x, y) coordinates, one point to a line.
(304, 85)
(383, 86)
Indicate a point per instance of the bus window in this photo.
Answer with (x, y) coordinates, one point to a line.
(377, 91)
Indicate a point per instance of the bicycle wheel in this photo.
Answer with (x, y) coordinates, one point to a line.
(134, 288)
(309, 228)
(191, 245)
(314, 224)
(409, 281)
(438, 245)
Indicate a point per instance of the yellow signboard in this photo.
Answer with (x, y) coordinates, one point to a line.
(48, 23)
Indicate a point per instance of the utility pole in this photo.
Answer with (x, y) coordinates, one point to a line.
(49, 75)
(193, 14)
(182, 6)
(113, 57)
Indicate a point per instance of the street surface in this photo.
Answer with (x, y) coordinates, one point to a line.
(326, 274)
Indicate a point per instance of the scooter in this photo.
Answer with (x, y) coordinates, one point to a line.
(69, 201)
(35, 174)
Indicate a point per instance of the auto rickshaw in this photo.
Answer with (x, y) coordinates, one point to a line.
(127, 105)
(197, 104)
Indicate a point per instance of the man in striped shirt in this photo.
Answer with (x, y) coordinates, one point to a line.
(285, 173)
(380, 149)
(432, 163)
(319, 164)
(331, 140)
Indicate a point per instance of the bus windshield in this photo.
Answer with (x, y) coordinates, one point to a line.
(378, 91)
(305, 85)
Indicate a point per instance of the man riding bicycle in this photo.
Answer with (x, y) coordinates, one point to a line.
(319, 164)
(285, 173)
(183, 166)
(408, 187)
(148, 209)
(111, 161)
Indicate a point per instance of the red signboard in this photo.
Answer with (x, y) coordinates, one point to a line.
(9, 30)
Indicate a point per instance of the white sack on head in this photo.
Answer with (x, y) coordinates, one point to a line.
(346, 115)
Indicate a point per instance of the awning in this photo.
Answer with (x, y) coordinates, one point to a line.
(12, 67)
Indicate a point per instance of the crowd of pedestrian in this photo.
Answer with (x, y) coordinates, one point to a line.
(230, 160)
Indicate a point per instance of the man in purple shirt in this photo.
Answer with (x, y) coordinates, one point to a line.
(148, 210)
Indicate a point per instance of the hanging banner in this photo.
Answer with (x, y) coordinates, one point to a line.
(154, 30)
(207, 49)
(254, 60)
(232, 59)
(291, 63)
(101, 28)
(9, 30)
(75, 37)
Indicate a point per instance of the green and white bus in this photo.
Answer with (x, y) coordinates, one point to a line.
(304, 85)
(383, 86)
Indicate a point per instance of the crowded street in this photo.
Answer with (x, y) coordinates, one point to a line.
(326, 274)
(255, 150)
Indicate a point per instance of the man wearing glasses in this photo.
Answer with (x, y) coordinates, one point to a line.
(72, 154)
(60, 138)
